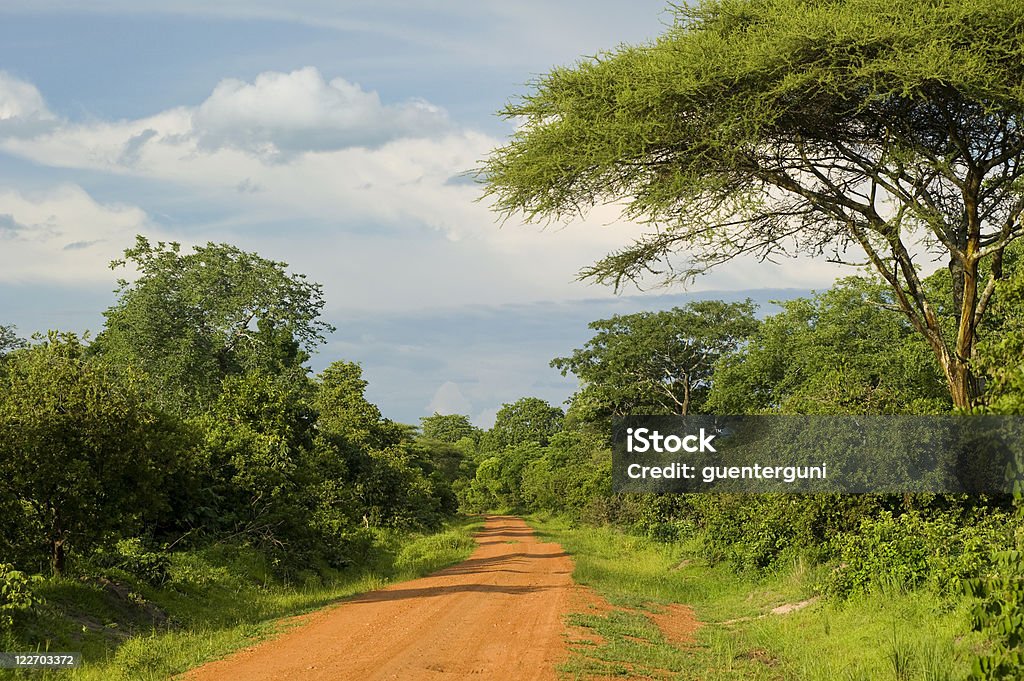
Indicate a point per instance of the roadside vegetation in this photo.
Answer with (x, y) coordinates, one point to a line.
(171, 487)
(889, 632)
(214, 600)
(899, 587)
(262, 492)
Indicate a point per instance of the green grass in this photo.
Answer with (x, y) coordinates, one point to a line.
(219, 599)
(890, 635)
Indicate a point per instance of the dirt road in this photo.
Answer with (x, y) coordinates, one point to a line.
(498, 615)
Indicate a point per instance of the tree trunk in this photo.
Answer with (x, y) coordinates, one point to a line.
(57, 558)
(963, 386)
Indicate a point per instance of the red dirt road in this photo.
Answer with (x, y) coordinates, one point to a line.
(499, 615)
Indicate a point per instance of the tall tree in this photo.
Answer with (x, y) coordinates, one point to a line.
(657, 362)
(190, 319)
(448, 428)
(528, 419)
(772, 127)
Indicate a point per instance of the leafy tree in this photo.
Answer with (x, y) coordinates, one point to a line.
(657, 362)
(838, 352)
(770, 127)
(448, 428)
(191, 319)
(9, 340)
(392, 481)
(344, 411)
(81, 450)
(529, 419)
(255, 438)
(572, 476)
(498, 484)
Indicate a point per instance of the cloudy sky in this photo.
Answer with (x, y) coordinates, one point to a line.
(333, 135)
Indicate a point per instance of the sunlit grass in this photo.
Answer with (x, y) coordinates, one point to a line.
(887, 635)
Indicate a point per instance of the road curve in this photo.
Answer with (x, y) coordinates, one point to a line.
(498, 615)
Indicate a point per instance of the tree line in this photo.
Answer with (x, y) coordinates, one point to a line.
(192, 417)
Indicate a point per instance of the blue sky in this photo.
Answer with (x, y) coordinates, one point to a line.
(331, 135)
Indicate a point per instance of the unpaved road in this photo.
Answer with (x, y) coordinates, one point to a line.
(498, 615)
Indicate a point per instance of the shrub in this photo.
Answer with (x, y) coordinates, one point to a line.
(133, 557)
(16, 594)
(910, 550)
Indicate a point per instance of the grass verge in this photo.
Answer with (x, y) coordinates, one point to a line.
(219, 599)
(888, 635)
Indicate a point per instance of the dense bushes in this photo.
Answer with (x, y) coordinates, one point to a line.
(837, 352)
(911, 550)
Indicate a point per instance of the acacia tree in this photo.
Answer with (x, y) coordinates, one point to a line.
(775, 127)
(657, 362)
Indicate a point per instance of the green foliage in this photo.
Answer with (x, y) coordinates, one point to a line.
(1001, 350)
(81, 450)
(656, 362)
(910, 550)
(838, 352)
(1000, 613)
(448, 428)
(16, 595)
(189, 320)
(132, 556)
(9, 340)
(529, 419)
(344, 411)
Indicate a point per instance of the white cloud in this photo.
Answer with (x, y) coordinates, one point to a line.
(300, 111)
(21, 100)
(63, 235)
(381, 224)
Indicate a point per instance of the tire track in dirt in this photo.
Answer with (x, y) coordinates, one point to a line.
(499, 616)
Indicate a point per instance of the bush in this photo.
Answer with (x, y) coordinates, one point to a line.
(909, 551)
(134, 558)
(16, 594)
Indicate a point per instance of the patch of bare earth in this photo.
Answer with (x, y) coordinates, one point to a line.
(677, 623)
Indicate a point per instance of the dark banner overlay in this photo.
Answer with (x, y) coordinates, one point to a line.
(845, 454)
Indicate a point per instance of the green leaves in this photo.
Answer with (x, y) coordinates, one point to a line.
(80, 448)
(840, 351)
(766, 128)
(189, 320)
(527, 420)
(657, 362)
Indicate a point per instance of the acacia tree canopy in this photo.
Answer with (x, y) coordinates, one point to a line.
(776, 127)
